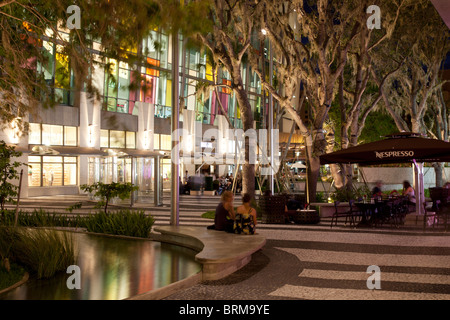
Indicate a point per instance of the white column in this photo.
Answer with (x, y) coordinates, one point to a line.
(89, 132)
(146, 124)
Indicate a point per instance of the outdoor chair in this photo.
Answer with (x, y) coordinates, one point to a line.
(348, 215)
(441, 194)
(441, 214)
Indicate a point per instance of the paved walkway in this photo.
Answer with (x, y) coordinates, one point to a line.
(317, 262)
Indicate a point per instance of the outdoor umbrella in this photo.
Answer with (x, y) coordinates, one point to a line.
(298, 165)
(397, 148)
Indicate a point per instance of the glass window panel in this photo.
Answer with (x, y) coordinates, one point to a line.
(166, 169)
(166, 142)
(122, 106)
(52, 135)
(111, 104)
(70, 136)
(52, 174)
(34, 174)
(62, 73)
(131, 140)
(70, 174)
(52, 159)
(34, 136)
(156, 141)
(70, 159)
(47, 66)
(34, 159)
(117, 139)
(164, 50)
(104, 139)
(124, 83)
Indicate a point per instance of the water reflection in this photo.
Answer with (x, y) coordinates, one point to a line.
(113, 269)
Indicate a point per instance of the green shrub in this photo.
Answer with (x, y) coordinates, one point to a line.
(345, 195)
(43, 252)
(121, 222)
(8, 278)
(42, 218)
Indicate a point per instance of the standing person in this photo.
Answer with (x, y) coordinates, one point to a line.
(245, 220)
(224, 216)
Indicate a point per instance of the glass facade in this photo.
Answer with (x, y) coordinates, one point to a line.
(52, 135)
(117, 139)
(47, 171)
(120, 91)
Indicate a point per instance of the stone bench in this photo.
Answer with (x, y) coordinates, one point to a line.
(220, 253)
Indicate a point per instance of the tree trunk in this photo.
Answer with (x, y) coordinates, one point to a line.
(248, 168)
(439, 170)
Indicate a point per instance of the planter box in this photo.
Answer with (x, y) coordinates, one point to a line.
(196, 192)
(209, 192)
(327, 209)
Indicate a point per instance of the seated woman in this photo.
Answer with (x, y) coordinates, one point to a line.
(224, 215)
(376, 191)
(245, 220)
(408, 191)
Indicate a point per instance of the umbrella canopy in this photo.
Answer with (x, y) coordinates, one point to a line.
(397, 148)
(298, 165)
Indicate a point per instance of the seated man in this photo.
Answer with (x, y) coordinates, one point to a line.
(224, 216)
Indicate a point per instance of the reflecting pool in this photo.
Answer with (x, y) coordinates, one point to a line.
(112, 269)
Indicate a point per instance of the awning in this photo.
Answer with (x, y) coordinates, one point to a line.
(61, 150)
(18, 148)
(398, 148)
(123, 153)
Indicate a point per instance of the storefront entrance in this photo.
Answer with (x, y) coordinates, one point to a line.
(144, 171)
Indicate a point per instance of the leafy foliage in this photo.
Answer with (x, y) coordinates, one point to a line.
(108, 191)
(122, 222)
(43, 252)
(8, 172)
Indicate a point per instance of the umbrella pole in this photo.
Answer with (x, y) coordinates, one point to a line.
(419, 186)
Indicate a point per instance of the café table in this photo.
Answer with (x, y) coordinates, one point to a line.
(304, 216)
(369, 211)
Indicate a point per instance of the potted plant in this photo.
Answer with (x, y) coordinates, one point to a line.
(209, 186)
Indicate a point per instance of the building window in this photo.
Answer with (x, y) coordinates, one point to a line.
(156, 145)
(55, 68)
(166, 142)
(53, 135)
(46, 171)
(117, 139)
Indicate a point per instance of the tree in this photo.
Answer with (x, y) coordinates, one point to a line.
(357, 92)
(108, 191)
(413, 97)
(8, 173)
(311, 41)
(228, 43)
(27, 25)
